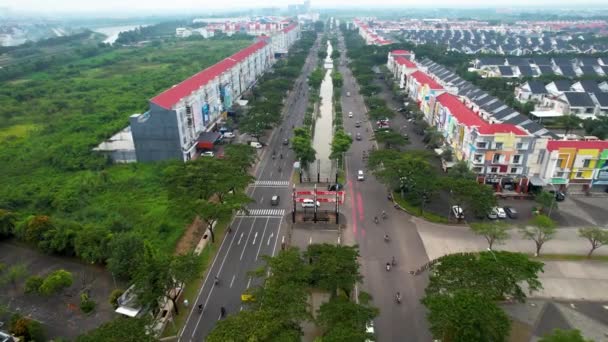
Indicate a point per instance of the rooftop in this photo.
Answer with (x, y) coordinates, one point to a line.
(579, 145)
(423, 78)
(492, 129)
(404, 61)
(461, 112)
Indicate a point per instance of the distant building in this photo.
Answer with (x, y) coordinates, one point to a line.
(182, 32)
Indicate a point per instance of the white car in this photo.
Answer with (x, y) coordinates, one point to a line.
(228, 135)
(458, 212)
(350, 114)
(208, 154)
(360, 175)
(500, 212)
(309, 203)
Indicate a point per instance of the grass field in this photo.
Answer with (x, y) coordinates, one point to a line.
(17, 131)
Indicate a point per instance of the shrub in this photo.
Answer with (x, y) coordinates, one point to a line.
(32, 284)
(114, 297)
(56, 281)
(26, 328)
(86, 304)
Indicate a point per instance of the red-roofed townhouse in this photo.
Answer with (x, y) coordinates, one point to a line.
(497, 153)
(180, 120)
(576, 165)
(285, 38)
(420, 87)
(401, 64)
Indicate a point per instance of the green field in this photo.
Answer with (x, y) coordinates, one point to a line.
(52, 118)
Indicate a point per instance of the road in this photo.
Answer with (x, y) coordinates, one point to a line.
(366, 199)
(258, 233)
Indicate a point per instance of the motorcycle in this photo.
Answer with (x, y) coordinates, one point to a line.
(384, 215)
(398, 298)
(386, 238)
(388, 266)
(376, 219)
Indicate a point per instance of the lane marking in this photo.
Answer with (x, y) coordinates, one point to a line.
(269, 238)
(248, 235)
(255, 237)
(262, 199)
(240, 238)
(310, 240)
(277, 239)
(232, 281)
(261, 240)
(248, 282)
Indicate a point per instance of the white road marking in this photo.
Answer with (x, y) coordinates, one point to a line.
(269, 238)
(248, 282)
(261, 240)
(255, 237)
(240, 238)
(262, 199)
(248, 235)
(232, 281)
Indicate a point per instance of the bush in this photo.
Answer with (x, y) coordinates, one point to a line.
(86, 304)
(26, 328)
(32, 284)
(55, 282)
(114, 297)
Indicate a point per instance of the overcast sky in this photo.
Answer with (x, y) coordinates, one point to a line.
(53, 6)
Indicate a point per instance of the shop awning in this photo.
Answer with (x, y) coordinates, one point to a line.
(206, 140)
(537, 181)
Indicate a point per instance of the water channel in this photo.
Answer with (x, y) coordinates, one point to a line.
(324, 124)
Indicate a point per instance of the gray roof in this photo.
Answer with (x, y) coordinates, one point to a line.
(602, 98)
(590, 86)
(563, 85)
(588, 70)
(537, 87)
(578, 99)
(505, 70)
(526, 70)
(567, 70)
(546, 70)
(517, 119)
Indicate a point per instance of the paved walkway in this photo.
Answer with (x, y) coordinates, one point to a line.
(586, 280)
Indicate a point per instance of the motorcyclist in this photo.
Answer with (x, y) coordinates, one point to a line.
(386, 238)
(384, 214)
(216, 280)
(398, 297)
(222, 312)
(388, 266)
(200, 308)
(376, 219)
(394, 262)
(281, 155)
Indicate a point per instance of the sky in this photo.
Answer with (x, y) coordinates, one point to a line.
(57, 6)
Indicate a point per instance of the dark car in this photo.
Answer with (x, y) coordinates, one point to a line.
(335, 187)
(274, 200)
(559, 196)
(511, 212)
(285, 141)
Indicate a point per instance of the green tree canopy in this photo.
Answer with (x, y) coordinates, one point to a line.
(559, 335)
(121, 329)
(493, 232)
(539, 229)
(334, 267)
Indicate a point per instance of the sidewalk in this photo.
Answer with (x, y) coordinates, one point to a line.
(581, 280)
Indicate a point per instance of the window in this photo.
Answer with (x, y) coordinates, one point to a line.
(478, 158)
(517, 159)
(478, 169)
(541, 157)
(481, 144)
(498, 146)
(514, 170)
(494, 170)
(559, 174)
(579, 175)
(586, 162)
(560, 162)
(498, 158)
(521, 146)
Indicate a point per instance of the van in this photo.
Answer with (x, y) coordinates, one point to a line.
(360, 175)
(255, 144)
(309, 203)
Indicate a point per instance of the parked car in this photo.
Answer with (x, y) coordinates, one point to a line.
(335, 187)
(358, 124)
(458, 212)
(369, 328)
(255, 144)
(228, 135)
(500, 212)
(309, 203)
(492, 215)
(350, 114)
(207, 154)
(511, 212)
(559, 196)
(274, 200)
(360, 175)
(348, 93)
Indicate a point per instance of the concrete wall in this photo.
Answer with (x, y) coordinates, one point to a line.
(156, 135)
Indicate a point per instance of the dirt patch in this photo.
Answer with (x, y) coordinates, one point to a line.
(191, 237)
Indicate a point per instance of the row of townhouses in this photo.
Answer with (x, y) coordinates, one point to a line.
(369, 35)
(512, 67)
(503, 147)
(585, 98)
(183, 120)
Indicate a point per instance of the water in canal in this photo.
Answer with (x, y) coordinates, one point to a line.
(324, 124)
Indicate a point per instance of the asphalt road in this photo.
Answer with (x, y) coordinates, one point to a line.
(366, 199)
(258, 233)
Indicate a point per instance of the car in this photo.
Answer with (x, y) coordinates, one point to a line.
(458, 212)
(511, 212)
(348, 93)
(360, 175)
(335, 187)
(559, 196)
(228, 135)
(286, 142)
(309, 203)
(350, 114)
(500, 212)
(255, 144)
(207, 154)
(492, 215)
(274, 200)
(358, 136)
(358, 124)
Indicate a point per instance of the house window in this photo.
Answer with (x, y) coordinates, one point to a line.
(517, 159)
(478, 158)
(559, 174)
(579, 175)
(478, 169)
(541, 157)
(494, 170)
(560, 162)
(497, 158)
(522, 146)
(586, 163)
(482, 144)
(498, 146)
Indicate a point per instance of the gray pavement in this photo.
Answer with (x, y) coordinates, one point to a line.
(259, 233)
(364, 200)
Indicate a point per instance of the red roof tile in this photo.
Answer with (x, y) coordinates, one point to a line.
(557, 144)
(461, 112)
(171, 96)
(491, 129)
(404, 61)
(289, 28)
(400, 52)
(423, 78)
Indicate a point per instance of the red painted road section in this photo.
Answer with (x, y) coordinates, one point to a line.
(353, 214)
(360, 207)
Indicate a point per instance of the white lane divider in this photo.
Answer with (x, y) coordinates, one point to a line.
(254, 238)
(248, 282)
(269, 238)
(232, 281)
(240, 238)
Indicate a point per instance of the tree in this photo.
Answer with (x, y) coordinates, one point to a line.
(7, 223)
(344, 320)
(122, 329)
(301, 143)
(461, 170)
(91, 244)
(55, 282)
(252, 125)
(597, 237)
(247, 325)
(568, 122)
(546, 200)
(340, 144)
(495, 275)
(391, 139)
(432, 137)
(559, 335)
(465, 316)
(480, 198)
(124, 250)
(240, 155)
(13, 274)
(540, 230)
(336, 78)
(334, 267)
(315, 78)
(493, 232)
(211, 213)
(34, 227)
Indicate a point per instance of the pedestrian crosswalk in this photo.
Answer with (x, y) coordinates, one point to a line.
(272, 184)
(262, 212)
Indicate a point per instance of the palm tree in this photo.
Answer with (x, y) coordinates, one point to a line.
(568, 122)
